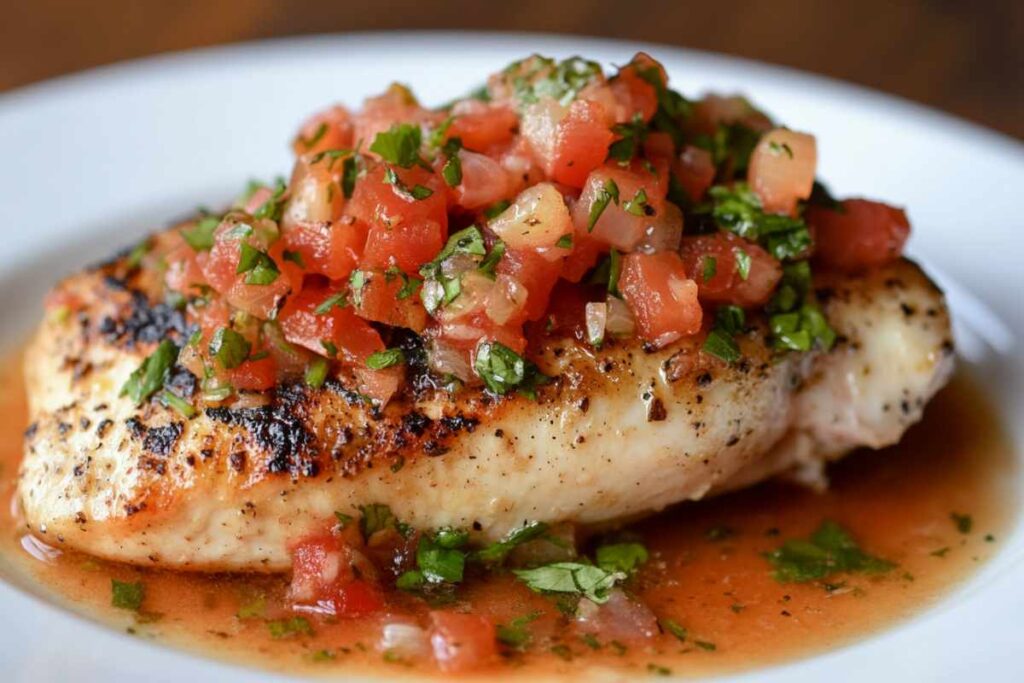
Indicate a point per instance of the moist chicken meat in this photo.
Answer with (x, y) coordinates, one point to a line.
(619, 432)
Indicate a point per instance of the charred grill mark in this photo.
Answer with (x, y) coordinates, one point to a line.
(160, 440)
(144, 322)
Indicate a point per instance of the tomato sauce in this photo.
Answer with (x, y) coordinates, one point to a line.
(706, 571)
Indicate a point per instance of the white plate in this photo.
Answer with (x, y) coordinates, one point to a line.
(93, 160)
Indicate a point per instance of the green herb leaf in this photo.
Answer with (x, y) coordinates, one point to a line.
(497, 551)
(452, 169)
(710, 267)
(318, 135)
(199, 235)
(274, 206)
(229, 348)
(376, 517)
(564, 242)
(400, 145)
(742, 263)
(316, 373)
(150, 376)
(964, 523)
(631, 138)
(493, 212)
(674, 628)
(439, 558)
(172, 400)
(385, 359)
(587, 580)
(621, 557)
(609, 192)
(411, 580)
(258, 267)
(502, 369)
(339, 300)
(286, 628)
(417, 192)
(515, 634)
(490, 263)
(830, 550)
(127, 595)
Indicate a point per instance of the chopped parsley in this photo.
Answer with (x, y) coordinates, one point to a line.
(742, 263)
(490, 263)
(286, 628)
(621, 557)
(317, 135)
(150, 376)
(503, 370)
(274, 206)
(496, 210)
(963, 523)
(670, 626)
(593, 583)
(385, 359)
(631, 137)
(738, 210)
(378, 517)
(339, 300)
(515, 633)
(638, 206)
(564, 242)
(721, 342)
(609, 192)
(229, 348)
(538, 77)
(452, 169)
(400, 145)
(172, 400)
(417, 192)
(295, 257)
(258, 267)
(710, 267)
(830, 550)
(199, 235)
(316, 373)
(608, 271)
(440, 558)
(349, 175)
(127, 595)
(497, 551)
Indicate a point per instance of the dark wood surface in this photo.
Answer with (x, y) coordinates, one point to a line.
(965, 57)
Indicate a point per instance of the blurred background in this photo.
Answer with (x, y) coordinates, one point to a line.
(962, 56)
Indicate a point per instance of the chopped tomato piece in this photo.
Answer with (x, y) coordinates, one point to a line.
(484, 181)
(480, 125)
(865, 234)
(462, 642)
(585, 254)
(534, 272)
(396, 105)
(183, 272)
(254, 375)
(581, 144)
(663, 299)
(220, 267)
(392, 299)
(331, 249)
(633, 87)
(322, 576)
(352, 336)
(621, 223)
(695, 171)
(380, 385)
(729, 269)
(330, 129)
(404, 231)
(782, 168)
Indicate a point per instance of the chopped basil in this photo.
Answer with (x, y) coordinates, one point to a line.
(452, 169)
(594, 583)
(400, 145)
(609, 192)
(316, 373)
(802, 329)
(127, 595)
(497, 551)
(349, 175)
(200, 235)
(493, 258)
(150, 376)
(564, 242)
(502, 370)
(134, 257)
(738, 210)
(730, 147)
(274, 206)
(339, 300)
(377, 517)
(439, 557)
(538, 77)
(172, 400)
(286, 628)
(631, 138)
(607, 272)
(258, 267)
(497, 209)
(437, 135)
(515, 633)
(318, 135)
(720, 342)
(964, 523)
(710, 267)
(674, 628)
(830, 550)
(466, 241)
(229, 348)
(329, 348)
(356, 282)
(417, 192)
(742, 263)
(385, 359)
(295, 257)
(621, 557)
(409, 284)
(254, 609)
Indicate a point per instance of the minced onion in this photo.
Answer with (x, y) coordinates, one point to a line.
(597, 319)
(620, 321)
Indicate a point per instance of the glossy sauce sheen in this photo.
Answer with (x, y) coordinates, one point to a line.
(706, 571)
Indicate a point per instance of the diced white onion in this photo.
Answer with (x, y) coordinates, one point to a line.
(505, 299)
(597, 319)
(664, 232)
(537, 219)
(405, 641)
(447, 360)
(620, 322)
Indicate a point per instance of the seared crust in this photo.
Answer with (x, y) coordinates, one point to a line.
(617, 433)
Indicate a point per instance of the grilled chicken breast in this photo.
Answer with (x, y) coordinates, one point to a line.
(618, 433)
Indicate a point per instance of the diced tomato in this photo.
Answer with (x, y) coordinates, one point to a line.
(713, 110)
(585, 254)
(380, 385)
(632, 85)
(379, 301)
(220, 268)
(638, 189)
(695, 171)
(720, 257)
(782, 169)
(404, 231)
(581, 144)
(254, 375)
(566, 311)
(322, 576)
(663, 299)
(396, 105)
(462, 642)
(354, 338)
(536, 273)
(330, 129)
(865, 234)
(315, 192)
(331, 249)
(480, 125)
(183, 272)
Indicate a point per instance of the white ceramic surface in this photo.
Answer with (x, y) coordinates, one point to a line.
(89, 162)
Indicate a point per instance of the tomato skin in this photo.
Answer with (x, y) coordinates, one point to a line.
(662, 298)
(462, 642)
(695, 171)
(254, 375)
(378, 301)
(353, 336)
(535, 272)
(480, 125)
(330, 249)
(726, 285)
(865, 235)
(782, 169)
(585, 254)
(403, 231)
(581, 143)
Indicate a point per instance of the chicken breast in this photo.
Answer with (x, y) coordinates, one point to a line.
(618, 433)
